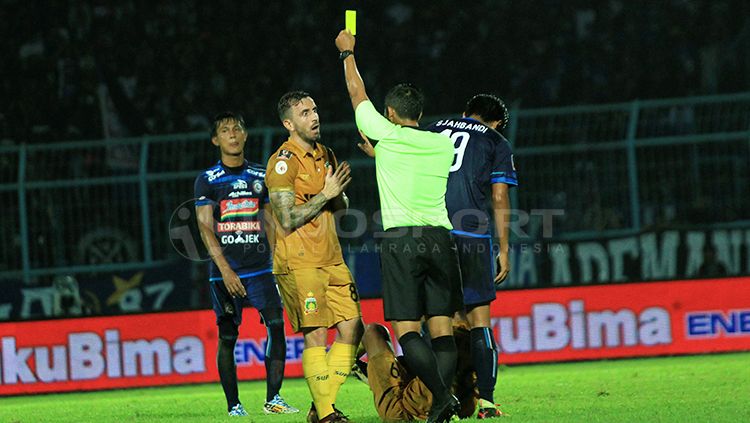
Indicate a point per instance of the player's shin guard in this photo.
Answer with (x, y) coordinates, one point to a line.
(275, 351)
(315, 368)
(446, 356)
(484, 356)
(340, 359)
(225, 362)
(422, 362)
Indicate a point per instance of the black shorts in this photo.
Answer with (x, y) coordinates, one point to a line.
(420, 273)
(476, 260)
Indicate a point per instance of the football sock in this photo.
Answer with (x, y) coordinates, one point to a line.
(315, 368)
(275, 351)
(340, 359)
(446, 356)
(228, 371)
(422, 363)
(484, 356)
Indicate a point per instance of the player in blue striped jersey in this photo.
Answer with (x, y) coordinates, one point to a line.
(482, 170)
(231, 200)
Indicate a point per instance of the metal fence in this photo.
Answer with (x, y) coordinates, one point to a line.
(105, 205)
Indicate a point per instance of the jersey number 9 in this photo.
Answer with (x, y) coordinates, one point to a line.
(460, 141)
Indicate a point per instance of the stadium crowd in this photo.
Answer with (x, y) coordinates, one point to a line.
(165, 67)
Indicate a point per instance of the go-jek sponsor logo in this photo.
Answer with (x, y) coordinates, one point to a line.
(713, 324)
(88, 356)
(554, 326)
(248, 352)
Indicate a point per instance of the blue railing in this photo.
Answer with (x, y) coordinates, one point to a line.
(104, 205)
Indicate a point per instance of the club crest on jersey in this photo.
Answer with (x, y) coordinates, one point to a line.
(239, 184)
(281, 168)
(284, 155)
(257, 186)
(241, 207)
(311, 304)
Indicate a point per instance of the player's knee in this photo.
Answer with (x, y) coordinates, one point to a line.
(228, 330)
(375, 333)
(376, 329)
(272, 317)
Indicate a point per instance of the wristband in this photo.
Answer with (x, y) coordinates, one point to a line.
(344, 54)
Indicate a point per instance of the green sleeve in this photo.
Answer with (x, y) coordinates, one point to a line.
(373, 124)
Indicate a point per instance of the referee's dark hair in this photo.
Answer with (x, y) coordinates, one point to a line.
(489, 107)
(221, 117)
(406, 100)
(289, 100)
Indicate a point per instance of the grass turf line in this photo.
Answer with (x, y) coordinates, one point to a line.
(706, 388)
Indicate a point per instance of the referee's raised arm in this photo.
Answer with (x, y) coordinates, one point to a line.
(354, 83)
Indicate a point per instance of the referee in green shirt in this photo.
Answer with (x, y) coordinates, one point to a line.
(418, 257)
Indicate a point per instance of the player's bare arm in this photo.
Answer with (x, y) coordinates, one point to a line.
(291, 216)
(501, 210)
(269, 225)
(354, 84)
(206, 227)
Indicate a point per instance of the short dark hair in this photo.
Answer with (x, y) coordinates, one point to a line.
(221, 117)
(289, 100)
(406, 100)
(489, 107)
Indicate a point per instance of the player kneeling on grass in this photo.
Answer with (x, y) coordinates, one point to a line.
(398, 394)
(229, 196)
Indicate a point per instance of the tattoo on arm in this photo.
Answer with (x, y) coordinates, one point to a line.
(290, 216)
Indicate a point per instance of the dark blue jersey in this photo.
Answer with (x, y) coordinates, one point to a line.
(237, 196)
(482, 157)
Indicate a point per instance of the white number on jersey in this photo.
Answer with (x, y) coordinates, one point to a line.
(460, 141)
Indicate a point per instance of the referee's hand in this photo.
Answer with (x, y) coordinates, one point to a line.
(345, 41)
(366, 145)
(233, 284)
(503, 268)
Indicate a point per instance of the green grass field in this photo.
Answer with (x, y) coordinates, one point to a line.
(708, 388)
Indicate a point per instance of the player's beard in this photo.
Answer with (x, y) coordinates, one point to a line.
(309, 137)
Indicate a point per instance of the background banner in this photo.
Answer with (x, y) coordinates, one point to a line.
(558, 324)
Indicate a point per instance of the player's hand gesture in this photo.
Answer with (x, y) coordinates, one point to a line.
(233, 284)
(366, 146)
(503, 268)
(345, 40)
(336, 181)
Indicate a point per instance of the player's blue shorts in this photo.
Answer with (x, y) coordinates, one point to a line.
(261, 294)
(476, 260)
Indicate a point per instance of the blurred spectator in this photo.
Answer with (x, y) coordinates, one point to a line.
(165, 64)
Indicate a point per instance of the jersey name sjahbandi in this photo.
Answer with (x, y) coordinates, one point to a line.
(482, 157)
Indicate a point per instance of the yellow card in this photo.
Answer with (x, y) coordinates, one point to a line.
(351, 21)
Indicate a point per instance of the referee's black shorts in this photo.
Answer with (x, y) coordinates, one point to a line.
(420, 273)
